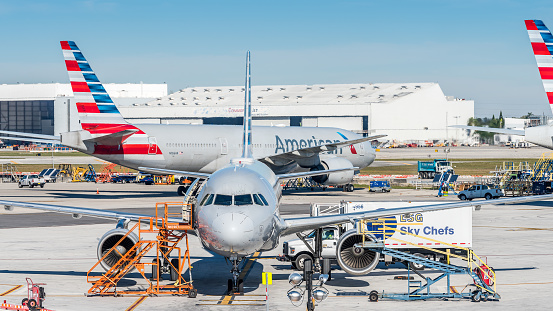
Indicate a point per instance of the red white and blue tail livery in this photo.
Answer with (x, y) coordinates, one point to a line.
(542, 44)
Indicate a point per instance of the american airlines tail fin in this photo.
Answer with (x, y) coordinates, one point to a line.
(97, 112)
(542, 44)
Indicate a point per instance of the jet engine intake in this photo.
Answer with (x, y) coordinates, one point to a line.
(109, 240)
(338, 178)
(355, 260)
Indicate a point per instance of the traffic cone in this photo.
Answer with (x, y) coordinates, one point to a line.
(97, 192)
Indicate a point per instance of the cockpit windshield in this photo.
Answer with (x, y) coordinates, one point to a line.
(238, 200)
(222, 199)
(243, 199)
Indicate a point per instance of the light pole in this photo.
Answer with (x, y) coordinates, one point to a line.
(457, 130)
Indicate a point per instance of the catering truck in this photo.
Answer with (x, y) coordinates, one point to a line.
(415, 233)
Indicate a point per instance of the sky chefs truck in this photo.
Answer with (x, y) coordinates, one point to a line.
(429, 169)
(452, 226)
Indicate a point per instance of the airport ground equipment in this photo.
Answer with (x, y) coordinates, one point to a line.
(65, 172)
(49, 174)
(446, 182)
(429, 169)
(106, 174)
(302, 183)
(157, 237)
(483, 277)
(7, 306)
(35, 295)
(164, 179)
(379, 185)
(10, 172)
(336, 243)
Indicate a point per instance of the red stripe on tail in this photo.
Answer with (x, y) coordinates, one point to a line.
(87, 108)
(530, 25)
(550, 97)
(546, 73)
(540, 48)
(65, 45)
(80, 87)
(72, 65)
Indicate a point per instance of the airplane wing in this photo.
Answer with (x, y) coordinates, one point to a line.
(77, 212)
(313, 173)
(490, 129)
(311, 151)
(113, 139)
(35, 140)
(294, 225)
(152, 170)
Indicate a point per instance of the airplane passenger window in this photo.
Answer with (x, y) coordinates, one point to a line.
(257, 200)
(243, 199)
(263, 199)
(222, 199)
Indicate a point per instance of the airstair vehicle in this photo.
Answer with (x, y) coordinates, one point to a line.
(483, 277)
(158, 237)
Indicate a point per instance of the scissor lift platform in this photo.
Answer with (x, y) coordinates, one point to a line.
(483, 276)
(161, 234)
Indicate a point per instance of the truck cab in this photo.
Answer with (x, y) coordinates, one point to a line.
(297, 252)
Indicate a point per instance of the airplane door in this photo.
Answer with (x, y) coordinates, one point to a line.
(152, 145)
(224, 145)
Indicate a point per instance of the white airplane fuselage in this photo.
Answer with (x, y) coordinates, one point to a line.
(207, 148)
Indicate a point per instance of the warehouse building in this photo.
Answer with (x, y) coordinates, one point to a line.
(406, 112)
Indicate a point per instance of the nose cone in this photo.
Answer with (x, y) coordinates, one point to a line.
(234, 231)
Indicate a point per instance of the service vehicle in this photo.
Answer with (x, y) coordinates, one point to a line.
(429, 169)
(379, 185)
(49, 174)
(453, 226)
(481, 191)
(31, 181)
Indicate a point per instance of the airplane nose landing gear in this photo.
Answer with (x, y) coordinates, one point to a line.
(235, 286)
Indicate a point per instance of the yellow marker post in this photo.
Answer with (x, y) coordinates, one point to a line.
(267, 279)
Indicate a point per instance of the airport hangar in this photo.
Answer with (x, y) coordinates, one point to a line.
(406, 112)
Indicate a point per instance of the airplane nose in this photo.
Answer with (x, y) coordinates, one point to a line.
(235, 230)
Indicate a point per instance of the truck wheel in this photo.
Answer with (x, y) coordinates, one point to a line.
(488, 196)
(462, 197)
(42, 186)
(31, 186)
(20, 186)
(300, 260)
(417, 266)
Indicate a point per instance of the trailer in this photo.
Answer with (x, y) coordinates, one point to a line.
(380, 186)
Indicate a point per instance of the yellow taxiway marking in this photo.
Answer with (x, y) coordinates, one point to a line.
(229, 299)
(14, 162)
(11, 290)
(136, 303)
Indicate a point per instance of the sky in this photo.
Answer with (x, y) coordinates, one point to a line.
(475, 50)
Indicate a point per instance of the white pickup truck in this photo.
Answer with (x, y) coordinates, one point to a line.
(481, 191)
(31, 181)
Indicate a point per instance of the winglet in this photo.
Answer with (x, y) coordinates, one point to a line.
(247, 134)
(542, 45)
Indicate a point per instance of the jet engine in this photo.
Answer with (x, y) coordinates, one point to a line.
(108, 241)
(339, 178)
(355, 260)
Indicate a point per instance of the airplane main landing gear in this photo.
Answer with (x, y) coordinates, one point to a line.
(235, 285)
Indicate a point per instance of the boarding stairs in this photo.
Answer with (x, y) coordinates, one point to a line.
(162, 234)
(543, 169)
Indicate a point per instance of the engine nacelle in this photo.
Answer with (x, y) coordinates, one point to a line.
(339, 178)
(355, 260)
(109, 240)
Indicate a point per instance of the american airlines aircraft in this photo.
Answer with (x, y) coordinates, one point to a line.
(542, 45)
(198, 148)
(238, 211)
